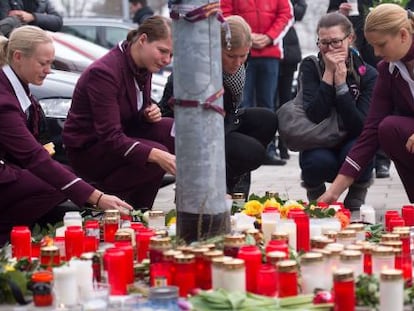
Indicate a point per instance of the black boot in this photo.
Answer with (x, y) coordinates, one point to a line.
(272, 158)
(356, 195)
(283, 150)
(313, 193)
(242, 185)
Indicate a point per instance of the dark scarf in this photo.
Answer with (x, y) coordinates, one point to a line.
(234, 83)
(141, 75)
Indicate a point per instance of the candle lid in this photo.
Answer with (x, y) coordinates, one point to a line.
(354, 247)
(185, 249)
(156, 213)
(343, 274)
(112, 213)
(311, 257)
(403, 234)
(234, 240)
(280, 236)
(398, 229)
(382, 251)
(163, 233)
(397, 251)
(163, 292)
(122, 236)
(90, 256)
(331, 234)
(184, 258)
(391, 275)
(42, 276)
(210, 246)
(346, 234)
(272, 194)
(51, 249)
(233, 264)
(219, 261)
(287, 266)
(391, 243)
(390, 237)
(325, 252)
(209, 255)
(356, 227)
(320, 241)
(111, 220)
(198, 252)
(238, 196)
(170, 254)
(350, 255)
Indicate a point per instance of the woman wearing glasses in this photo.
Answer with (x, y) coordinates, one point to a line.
(390, 123)
(346, 85)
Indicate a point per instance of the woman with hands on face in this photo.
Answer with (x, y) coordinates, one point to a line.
(390, 123)
(114, 135)
(346, 86)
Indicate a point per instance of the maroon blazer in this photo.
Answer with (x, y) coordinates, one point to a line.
(104, 108)
(19, 150)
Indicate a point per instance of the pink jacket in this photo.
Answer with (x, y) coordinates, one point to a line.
(270, 17)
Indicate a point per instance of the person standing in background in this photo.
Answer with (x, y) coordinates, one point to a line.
(382, 162)
(41, 13)
(292, 55)
(140, 10)
(270, 20)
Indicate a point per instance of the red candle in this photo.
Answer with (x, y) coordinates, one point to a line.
(232, 244)
(49, 256)
(115, 265)
(407, 212)
(395, 222)
(367, 251)
(89, 244)
(111, 225)
(143, 240)
(59, 241)
(157, 247)
(184, 273)
(137, 226)
(129, 259)
(344, 290)
(277, 246)
(92, 230)
(36, 249)
(267, 281)
(405, 239)
(388, 216)
(160, 274)
(200, 267)
(73, 241)
(302, 229)
(21, 242)
(252, 259)
(287, 278)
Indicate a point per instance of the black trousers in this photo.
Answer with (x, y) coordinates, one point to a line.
(245, 143)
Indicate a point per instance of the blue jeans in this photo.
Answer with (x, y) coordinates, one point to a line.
(322, 165)
(261, 83)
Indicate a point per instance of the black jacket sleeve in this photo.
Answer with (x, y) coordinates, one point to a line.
(299, 9)
(166, 110)
(46, 17)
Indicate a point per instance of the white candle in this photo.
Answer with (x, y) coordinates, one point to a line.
(65, 286)
(234, 276)
(391, 290)
(312, 265)
(84, 275)
(269, 220)
(315, 227)
(367, 214)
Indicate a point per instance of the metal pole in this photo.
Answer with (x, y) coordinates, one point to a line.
(125, 10)
(200, 180)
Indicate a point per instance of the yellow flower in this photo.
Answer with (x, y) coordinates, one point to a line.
(291, 204)
(253, 208)
(271, 203)
(172, 220)
(9, 267)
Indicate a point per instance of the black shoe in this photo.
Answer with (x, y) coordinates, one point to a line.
(273, 160)
(382, 171)
(284, 155)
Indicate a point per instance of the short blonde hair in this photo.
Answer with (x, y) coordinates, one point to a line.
(24, 39)
(240, 33)
(388, 18)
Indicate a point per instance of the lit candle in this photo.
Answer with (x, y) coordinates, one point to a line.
(382, 258)
(20, 238)
(156, 220)
(353, 260)
(49, 256)
(391, 290)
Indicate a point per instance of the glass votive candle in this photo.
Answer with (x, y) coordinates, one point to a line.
(234, 275)
(346, 237)
(277, 245)
(391, 294)
(65, 286)
(232, 244)
(367, 252)
(143, 240)
(344, 290)
(160, 274)
(269, 219)
(206, 273)
(116, 268)
(320, 241)
(254, 234)
(111, 225)
(359, 229)
(267, 280)
(49, 256)
(407, 212)
(217, 271)
(315, 227)
(128, 260)
(21, 242)
(405, 239)
(287, 278)
(332, 235)
(367, 214)
(389, 214)
(396, 222)
(288, 226)
(156, 219)
(330, 224)
(200, 266)
(157, 247)
(382, 258)
(274, 257)
(74, 237)
(184, 274)
(353, 260)
(42, 288)
(312, 264)
(252, 259)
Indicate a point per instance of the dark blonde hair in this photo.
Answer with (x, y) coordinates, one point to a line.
(389, 18)
(335, 19)
(24, 39)
(155, 27)
(240, 33)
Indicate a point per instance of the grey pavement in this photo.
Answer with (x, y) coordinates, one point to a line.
(384, 194)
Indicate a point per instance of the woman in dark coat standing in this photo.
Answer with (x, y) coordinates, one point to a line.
(114, 135)
(31, 182)
(292, 55)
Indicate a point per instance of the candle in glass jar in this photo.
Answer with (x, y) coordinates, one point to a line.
(232, 244)
(269, 219)
(346, 237)
(143, 240)
(312, 265)
(407, 212)
(207, 272)
(353, 260)
(391, 290)
(287, 278)
(129, 259)
(65, 286)
(49, 256)
(252, 259)
(184, 274)
(288, 226)
(389, 214)
(277, 246)
(217, 271)
(302, 229)
(156, 220)
(382, 258)
(344, 290)
(111, 225)
(367, 214)
(114, 264)
(359, 229)
(267, 280)
(199, 266)
(157, 247)
(21, 242)
(234, 275)
(73, 241)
